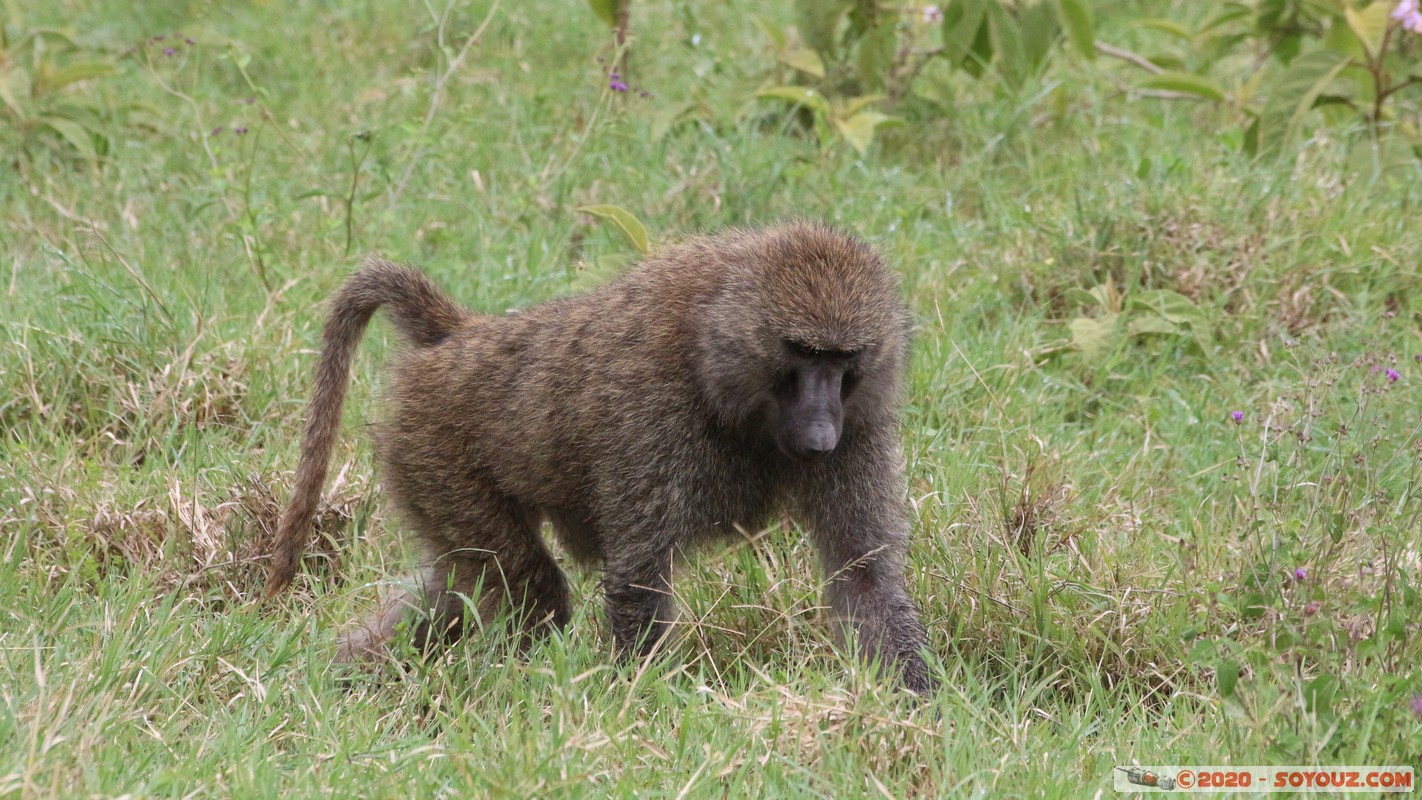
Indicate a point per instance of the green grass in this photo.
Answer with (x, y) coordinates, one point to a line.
(1105, 560)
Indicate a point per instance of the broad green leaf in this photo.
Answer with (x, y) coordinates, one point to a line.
(1076, 19)
(818, 23)
(1149, 323)
(805, 60)
(606, 10)
(1186, 83)
(1226, 676)
(1369, 24)
(15, 90)
(874, 55)
(962, 22)
(808, 98)
(777, 35)
(1039, 29)
(56, 79)
(1320, 693)
(1294, 93)
(72, 132)
(857, 104)
(1169, 26)
(630, 226)
(1080, 298)
(1093, 336)
(859, 129)
(1172, 306)
(1006, 37)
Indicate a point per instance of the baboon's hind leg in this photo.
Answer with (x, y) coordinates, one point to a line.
(484, 556)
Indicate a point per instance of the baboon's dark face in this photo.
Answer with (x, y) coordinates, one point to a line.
(809, 392)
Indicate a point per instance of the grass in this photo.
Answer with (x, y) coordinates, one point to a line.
(1112, 570)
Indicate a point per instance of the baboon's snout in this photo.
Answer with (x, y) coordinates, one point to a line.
(818, 439)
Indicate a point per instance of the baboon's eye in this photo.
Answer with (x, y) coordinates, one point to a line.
(847, 382)
(786, 381)
(801, 349)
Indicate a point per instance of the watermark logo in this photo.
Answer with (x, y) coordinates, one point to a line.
(1259, 780)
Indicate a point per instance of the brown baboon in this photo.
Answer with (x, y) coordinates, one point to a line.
(720, 380)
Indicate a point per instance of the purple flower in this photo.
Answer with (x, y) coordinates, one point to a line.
(1311, 608)
(1392, 375)
(1300, 573)
(168, 51)
(932, 15)
(614, 81)
(239, 130)
(1237, 416)
(1408, 13)
(1417, 704)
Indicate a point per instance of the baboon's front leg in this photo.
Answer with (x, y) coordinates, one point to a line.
(855, 510)
(640, 608)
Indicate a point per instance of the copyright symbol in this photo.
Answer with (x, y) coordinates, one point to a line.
(1185, 779)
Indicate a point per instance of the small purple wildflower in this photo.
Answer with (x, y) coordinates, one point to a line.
(1311, 608)
(1300, 573)
(1237, 416)
(239, 130)
(168, 51)
(1408, 13)
(1417, 704)
(1392, 375)
(614, 82)
(932, 15)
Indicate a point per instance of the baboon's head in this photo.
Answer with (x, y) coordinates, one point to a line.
(806, 337)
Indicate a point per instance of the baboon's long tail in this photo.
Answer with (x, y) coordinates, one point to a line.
(422, 313)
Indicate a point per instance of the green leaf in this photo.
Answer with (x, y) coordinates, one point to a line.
(818, 23)
(859, 129)
(1186, 83)
(805, 60)
(15, 90)
(1320, 693)
(606, 10)
(72, 132)
(857, 104)
(1169, 26)
(1093, 336)
(799, 95)
(630, 226)
(1075, 18)
(1226, 677)
(1294, 94)
(963, 20)
(778, 36)
(874, 55)
(1039, 28)
(1007, 48)
(1172, 306)
(54, 80)
(1139, 326)
(1369, 24)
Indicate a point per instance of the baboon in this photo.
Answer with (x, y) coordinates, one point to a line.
(719, 381)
